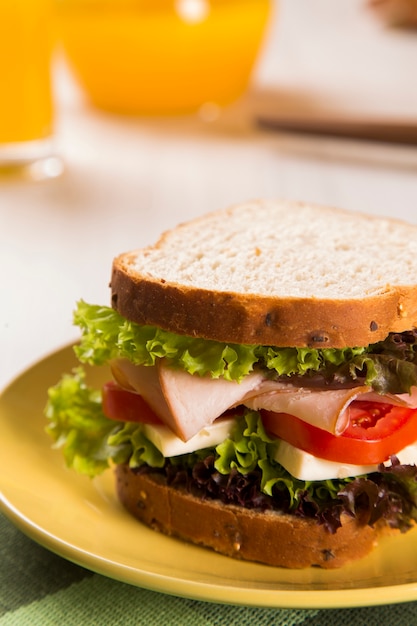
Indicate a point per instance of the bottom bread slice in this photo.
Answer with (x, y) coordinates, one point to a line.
(268, 537)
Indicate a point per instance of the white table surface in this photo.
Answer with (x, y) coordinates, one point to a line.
(126, 180)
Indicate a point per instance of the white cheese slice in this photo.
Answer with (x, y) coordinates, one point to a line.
(170, 445)
(300, 464)
(305, 466)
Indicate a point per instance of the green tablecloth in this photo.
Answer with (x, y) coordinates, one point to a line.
(38, 588)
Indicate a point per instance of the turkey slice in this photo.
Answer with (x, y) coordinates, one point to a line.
(185, 403)
(323, 408)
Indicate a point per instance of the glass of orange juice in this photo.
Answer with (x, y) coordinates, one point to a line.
(26, 107)
(162, 56)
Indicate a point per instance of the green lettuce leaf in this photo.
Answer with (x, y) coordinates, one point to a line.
(107, 335)
(140, 449)
(289, 361)
(249, 448)
(88, 439)
(387, 366)
(384, 373)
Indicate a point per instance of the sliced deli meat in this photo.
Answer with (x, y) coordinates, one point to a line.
(323, 408)
(187, 403)
(184, 402)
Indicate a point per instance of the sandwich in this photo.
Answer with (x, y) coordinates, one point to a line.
(261, 397)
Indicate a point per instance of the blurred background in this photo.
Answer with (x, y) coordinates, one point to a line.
(163, 110)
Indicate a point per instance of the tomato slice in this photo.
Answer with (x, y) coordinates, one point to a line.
(126, 406)
(375, 432)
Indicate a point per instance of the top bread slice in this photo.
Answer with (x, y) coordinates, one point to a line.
(275, 273)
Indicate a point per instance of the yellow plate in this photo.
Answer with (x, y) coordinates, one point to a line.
(82, 521)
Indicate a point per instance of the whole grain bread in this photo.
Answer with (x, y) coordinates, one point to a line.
(280, 540)
(275, 273)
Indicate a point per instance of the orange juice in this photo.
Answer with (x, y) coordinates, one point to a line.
(162, 56)
(25, 96)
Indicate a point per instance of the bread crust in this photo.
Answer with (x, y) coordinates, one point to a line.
(280, 540)
(257, 319)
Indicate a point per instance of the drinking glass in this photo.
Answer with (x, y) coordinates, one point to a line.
(26, 103)
(162, 56)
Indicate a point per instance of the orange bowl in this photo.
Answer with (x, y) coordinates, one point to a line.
(162, 56)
